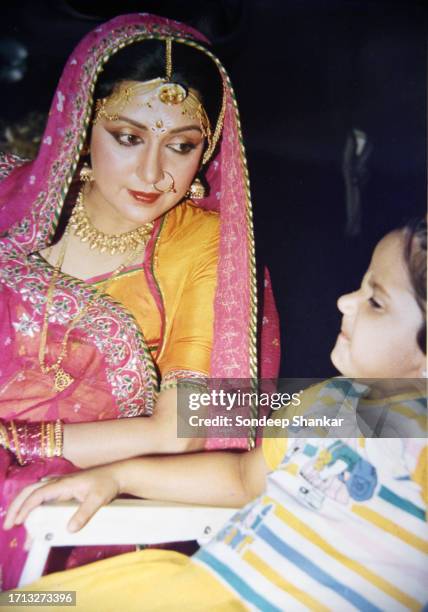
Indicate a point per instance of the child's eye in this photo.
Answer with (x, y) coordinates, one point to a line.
(182, 147)
(374, 304)
(127, 140)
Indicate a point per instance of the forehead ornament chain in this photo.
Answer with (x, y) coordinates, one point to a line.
(168, 93)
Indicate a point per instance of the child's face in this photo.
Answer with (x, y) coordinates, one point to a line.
(381, 320)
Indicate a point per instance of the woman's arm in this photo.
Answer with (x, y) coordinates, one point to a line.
(90, 444)
(216, 478)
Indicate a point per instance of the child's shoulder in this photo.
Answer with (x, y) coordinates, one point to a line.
(318, 408)
(275, 440)
(327, 393)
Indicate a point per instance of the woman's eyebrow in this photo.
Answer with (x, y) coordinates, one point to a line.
(132, 122)
(185, 128)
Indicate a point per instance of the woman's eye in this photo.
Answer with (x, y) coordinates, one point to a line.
(374, 304)
(182, 147)
(127, 140)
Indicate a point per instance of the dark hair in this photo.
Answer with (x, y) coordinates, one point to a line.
(415, 257)
(145, 60)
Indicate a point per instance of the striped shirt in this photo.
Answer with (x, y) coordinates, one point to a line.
(341, 525)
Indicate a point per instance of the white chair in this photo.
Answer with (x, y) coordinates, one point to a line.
(124, 521)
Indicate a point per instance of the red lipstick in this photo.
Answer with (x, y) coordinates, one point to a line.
(142, 196)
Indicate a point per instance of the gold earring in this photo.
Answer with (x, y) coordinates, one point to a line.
(197, 190)
(86, 174)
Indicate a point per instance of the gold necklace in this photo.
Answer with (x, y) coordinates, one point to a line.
(62, 378)
(85, 230)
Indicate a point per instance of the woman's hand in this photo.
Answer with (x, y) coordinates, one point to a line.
(92, 488)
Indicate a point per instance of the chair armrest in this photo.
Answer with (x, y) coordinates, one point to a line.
(124, 521)
(127, 521)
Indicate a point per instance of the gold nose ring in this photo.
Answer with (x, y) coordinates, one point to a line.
(170, 188)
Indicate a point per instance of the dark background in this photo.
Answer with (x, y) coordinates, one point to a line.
(306, 72)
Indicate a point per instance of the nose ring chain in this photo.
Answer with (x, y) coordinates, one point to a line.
(170, 188)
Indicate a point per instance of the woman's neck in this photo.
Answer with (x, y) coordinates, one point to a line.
(104, 217)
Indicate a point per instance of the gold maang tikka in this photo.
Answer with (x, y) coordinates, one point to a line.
(151, 91)
(167, 92)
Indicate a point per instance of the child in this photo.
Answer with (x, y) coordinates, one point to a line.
(328, 522)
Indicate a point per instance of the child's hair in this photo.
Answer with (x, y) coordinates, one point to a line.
(415, 256)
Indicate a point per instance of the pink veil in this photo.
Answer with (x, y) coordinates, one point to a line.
(32, 196)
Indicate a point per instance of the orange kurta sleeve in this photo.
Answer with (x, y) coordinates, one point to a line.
(189, 301)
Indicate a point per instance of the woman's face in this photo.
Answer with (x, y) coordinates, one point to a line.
(147, 149)
(381, 320)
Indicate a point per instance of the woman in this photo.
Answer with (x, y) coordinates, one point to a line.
(181, 275)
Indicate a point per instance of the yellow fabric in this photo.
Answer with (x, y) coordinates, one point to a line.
(149, 580)
(274, 450)
(275, 442)
(185, 268)
(132, 291)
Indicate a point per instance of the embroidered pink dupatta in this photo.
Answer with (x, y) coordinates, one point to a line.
(111, 364)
